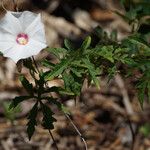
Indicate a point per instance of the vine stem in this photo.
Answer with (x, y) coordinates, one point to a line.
(53, 139)
(67, 116)
(77, 130)
(36, 66)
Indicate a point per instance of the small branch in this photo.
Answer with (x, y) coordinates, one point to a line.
(53, 139)
(77, 130)
(127, 105)
(132, 133)
(125, 96)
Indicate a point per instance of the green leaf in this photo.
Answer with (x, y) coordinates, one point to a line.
(141, 92)
(60, 106)
(64, 109)
(48, 118)
(58, 52)
(86, 43)
(32, 120)
(92, 71)
(111, 72)
(148, 88)
(69, 45)
(145, 129)
(58, 90)
(58, 69)
(27, 85)
(107, 53)
(132, 14)
(52, 100)
(47, 63)
(122, 1)
(71, 84)
(77, 71)
(18, 100)
(113, 35)
(10, 114)
(99, 32)
(144, 47)
(78, 64)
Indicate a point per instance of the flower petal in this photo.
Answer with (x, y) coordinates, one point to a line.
(26, 19)
(35, 26)
(6, 36)
(24, 51)
(36, 30)
(4, 46)
(38, 35)
(15, 23)
(15, 53)
(7, 40)
(34, 47)
(10, 24)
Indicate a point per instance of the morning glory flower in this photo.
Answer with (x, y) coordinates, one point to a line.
(22, 35)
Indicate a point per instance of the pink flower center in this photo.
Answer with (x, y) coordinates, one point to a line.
(22, 39)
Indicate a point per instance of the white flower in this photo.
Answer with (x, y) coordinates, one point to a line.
(22, 35)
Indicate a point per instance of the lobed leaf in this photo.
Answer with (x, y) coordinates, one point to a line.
(91, 70)
(17, 100)
(32, 121)
(86, 43)
(57, 70)
(27, 85)
(48, 119)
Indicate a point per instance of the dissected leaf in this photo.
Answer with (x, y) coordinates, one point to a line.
(92, 72)
(86, 43)
(47, 63)
(72, 85)
(60, 106)
(32, 120)
(107, 53)
(58, 69)
(17, 100)
(144, 47)
(58, 52)
(27, 85)
(69, 45)
(48, 118)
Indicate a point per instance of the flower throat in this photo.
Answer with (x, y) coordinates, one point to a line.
(22, 39)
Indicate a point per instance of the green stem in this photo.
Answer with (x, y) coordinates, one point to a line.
(77, 130)
(53, 139)
(36, 66)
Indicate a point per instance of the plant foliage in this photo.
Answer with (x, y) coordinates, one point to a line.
(90, 61)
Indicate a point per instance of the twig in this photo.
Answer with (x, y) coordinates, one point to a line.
(132, 133)
(53, 139)
(127, 105)
(125, 96)
(77, 130)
